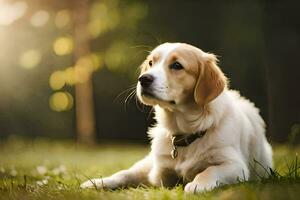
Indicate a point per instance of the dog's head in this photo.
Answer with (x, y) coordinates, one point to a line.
(176, 73)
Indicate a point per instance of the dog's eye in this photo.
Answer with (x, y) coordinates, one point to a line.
(176, 66)
(150, 62)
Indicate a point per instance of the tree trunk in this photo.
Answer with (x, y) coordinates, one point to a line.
(282, 41)
(85, 118)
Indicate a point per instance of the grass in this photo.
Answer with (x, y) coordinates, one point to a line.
(44, 169)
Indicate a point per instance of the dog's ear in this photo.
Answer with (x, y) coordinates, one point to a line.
(211, 80)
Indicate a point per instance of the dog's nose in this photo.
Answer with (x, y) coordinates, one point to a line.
(146, 80)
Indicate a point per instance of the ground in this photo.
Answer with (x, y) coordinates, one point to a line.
(51, 169)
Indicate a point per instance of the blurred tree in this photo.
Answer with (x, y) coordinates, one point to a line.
(85, 118)
(45, 46)
(282, 37)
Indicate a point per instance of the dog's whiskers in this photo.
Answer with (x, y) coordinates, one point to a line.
(129, 97)
(125, 91)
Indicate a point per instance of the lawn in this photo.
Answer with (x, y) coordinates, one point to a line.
(51, 169)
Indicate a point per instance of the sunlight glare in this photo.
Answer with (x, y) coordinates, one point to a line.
(11, 12)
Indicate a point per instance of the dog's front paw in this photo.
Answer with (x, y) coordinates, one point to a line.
(195, 187)
(100, 183)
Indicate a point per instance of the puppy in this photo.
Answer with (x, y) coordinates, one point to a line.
(206, 135)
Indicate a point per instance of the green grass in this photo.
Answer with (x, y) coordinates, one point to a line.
(43, 169)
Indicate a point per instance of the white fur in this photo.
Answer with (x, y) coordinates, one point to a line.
(230, 151)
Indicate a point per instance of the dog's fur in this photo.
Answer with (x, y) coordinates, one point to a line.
(195, 98)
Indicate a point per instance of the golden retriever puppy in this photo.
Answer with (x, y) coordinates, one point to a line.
(206, 135)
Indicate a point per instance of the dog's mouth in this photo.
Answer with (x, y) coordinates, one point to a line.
(150, 94)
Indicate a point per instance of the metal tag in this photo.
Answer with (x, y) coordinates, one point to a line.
(174, 153)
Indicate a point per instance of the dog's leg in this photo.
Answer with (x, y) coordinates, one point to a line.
(137, 174)
(164, 177)
(213, 176)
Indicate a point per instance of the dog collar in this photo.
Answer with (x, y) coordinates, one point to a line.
(182, 140)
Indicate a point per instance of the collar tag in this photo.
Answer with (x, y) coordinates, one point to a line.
(174, 152)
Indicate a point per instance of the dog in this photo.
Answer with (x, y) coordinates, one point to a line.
(206, 134)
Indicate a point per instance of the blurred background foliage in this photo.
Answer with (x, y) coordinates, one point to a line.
(39, 70)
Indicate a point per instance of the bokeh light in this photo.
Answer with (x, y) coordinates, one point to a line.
(63, 46)
(82, 74)
(79, 73)
(62, 18)
(96, 27)
(135, 13)
(57, 80)
(40, 18)
(115, 56)
(98, 14)
(30, 59)
(69, 76)
(102, 21)
(11, 12)
(86, 65)
(61, 101)
(92, 62)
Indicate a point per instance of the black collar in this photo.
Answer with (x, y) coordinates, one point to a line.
(183, 140)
